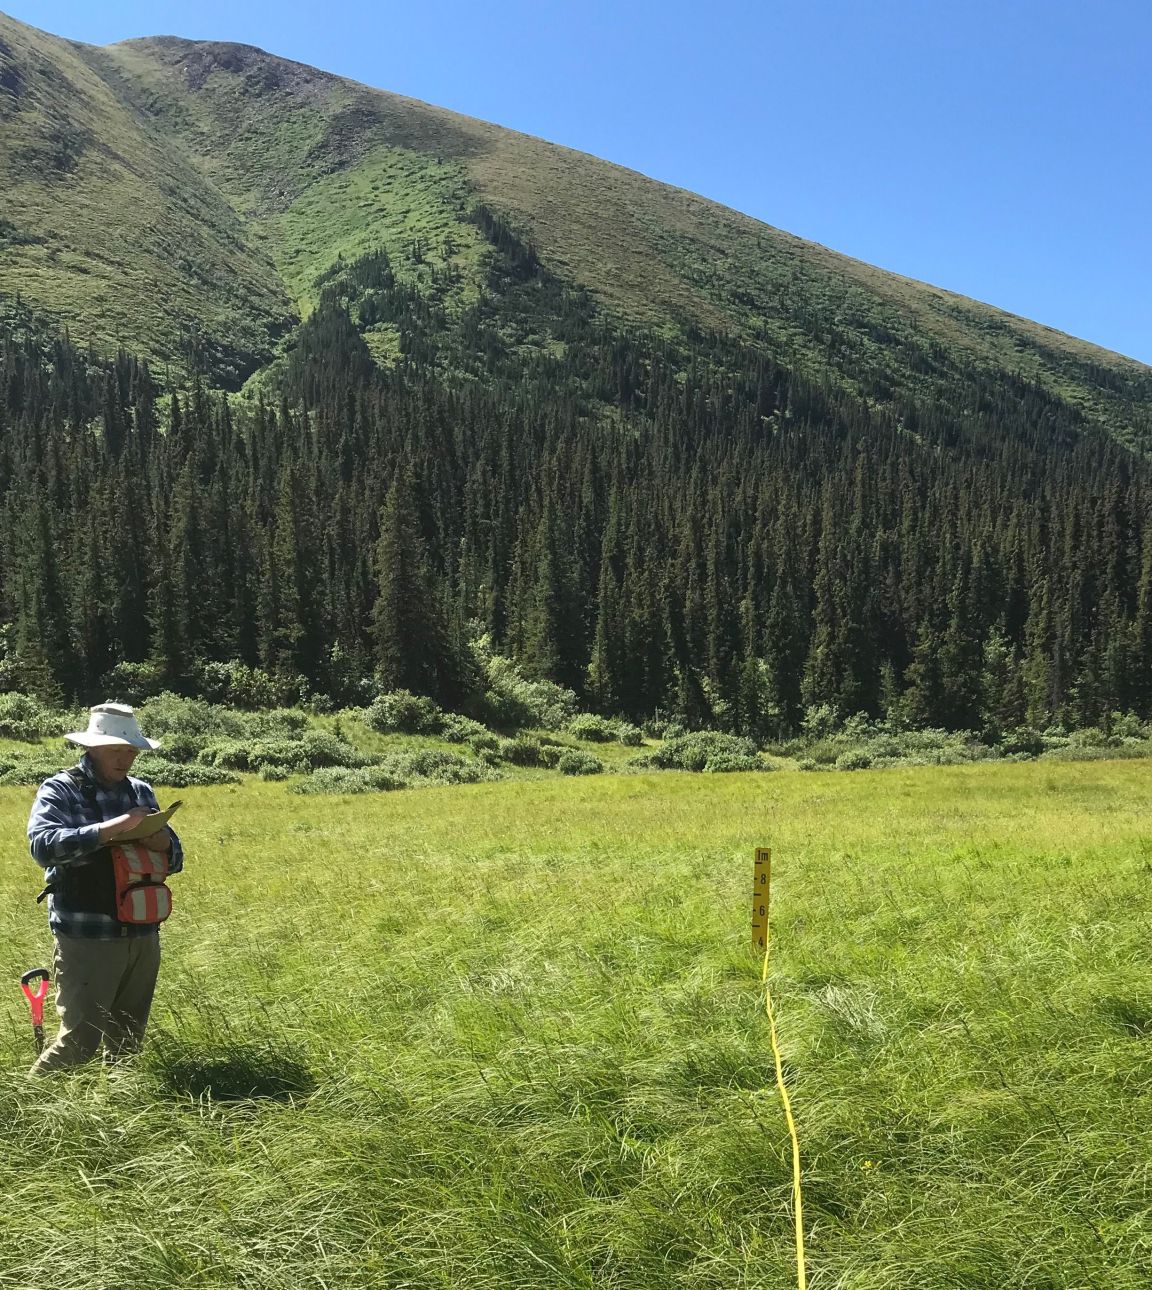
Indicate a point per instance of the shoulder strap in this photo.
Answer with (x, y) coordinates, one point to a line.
(83, 783)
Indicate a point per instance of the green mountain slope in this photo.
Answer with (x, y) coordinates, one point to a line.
(108, 228)
(185, 197)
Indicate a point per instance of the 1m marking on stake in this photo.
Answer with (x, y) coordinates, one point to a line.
(761, 884)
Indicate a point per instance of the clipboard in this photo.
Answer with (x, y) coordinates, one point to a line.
(148, 825)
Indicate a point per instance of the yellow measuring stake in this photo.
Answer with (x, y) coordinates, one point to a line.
(761, 890)
(761, 887)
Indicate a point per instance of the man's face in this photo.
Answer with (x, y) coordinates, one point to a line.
(113, 761)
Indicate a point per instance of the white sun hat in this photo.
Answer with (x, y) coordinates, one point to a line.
(112, 723)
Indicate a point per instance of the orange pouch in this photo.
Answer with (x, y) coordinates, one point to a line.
(141, 896)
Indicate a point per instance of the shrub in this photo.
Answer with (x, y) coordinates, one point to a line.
(504, 712)
(435, 767)
(861, 743)
(382, 779)
(400, 711)
(820, 721)
(274, 774)
(521, 752)
(484, 742)
(629, 735)
(1127, 725)
(825, 751)
(661, 728)
(237, 685)
(1088, 737)
(578, 762)
(858, 727)
(279, 721)
(694, 751)
(25, 718)
(725, 762)
(1123, 752)
(593, 729)
(1023, 740)
(231, 753)
(242, 754)
(153, 770)
(348, 779)
(169, 714)
(511, 701)
(171, 774)
(32, 770)
(182, 748)
(460, 730)
(1057, 737)
(311, 751)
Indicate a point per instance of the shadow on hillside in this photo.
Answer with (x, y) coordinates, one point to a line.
(232, 1072)
(1131, 1015)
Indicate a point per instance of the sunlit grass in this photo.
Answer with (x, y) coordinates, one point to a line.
(510, 1035)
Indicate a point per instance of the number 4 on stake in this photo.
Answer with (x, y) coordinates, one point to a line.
(761, 882)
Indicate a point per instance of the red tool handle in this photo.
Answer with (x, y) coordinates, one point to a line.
(36, 997)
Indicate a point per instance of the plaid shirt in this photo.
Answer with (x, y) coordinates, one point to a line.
(65, 826)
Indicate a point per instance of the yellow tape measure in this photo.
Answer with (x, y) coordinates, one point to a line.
(761, 890)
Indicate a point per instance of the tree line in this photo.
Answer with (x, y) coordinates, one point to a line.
(687, 528)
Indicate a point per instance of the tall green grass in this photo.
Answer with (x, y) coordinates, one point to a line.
(511, 1035)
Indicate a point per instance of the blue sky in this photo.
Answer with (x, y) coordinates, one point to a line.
(996, 149)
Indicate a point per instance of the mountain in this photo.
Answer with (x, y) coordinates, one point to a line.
(500, 400)
(188, 199)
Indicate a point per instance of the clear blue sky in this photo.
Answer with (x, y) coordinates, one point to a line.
(998, 148)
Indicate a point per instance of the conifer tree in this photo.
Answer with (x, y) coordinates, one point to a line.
(413, 650)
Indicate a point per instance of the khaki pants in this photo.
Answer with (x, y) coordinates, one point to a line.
(103, 995)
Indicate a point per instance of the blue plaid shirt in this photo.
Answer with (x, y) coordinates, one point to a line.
(65, 826)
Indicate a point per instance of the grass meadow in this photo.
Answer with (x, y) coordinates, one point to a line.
(511, 1035)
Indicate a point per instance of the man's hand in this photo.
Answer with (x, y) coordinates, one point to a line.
(161, 840)
(112, 828)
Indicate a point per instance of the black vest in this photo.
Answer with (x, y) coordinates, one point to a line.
(87, 885)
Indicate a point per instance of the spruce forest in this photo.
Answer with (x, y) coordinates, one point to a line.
(307, 388)
(703, 535)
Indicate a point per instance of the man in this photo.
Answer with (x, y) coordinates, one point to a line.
(105, 969)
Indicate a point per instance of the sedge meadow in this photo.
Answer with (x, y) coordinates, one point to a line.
(511, 1035)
